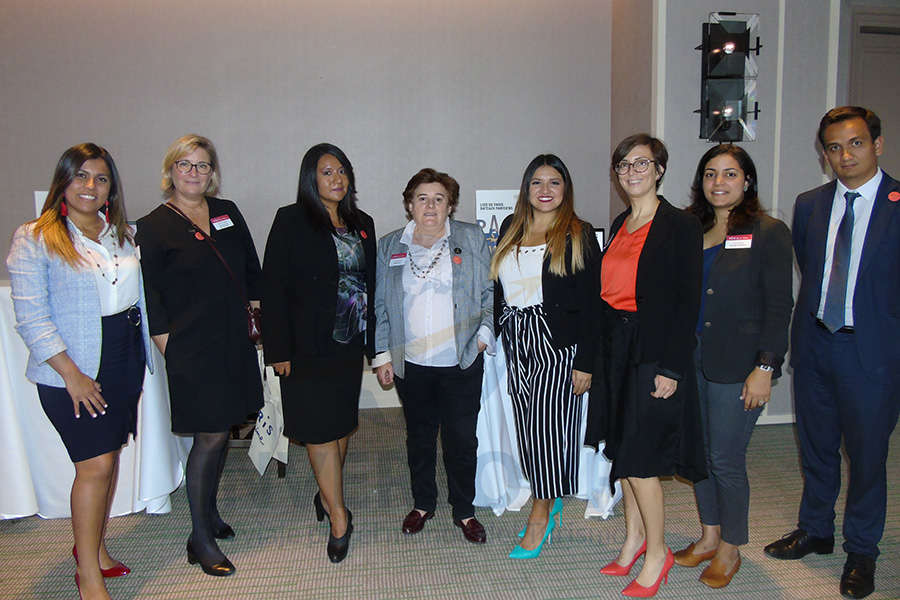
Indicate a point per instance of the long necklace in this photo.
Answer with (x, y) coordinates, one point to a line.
(423, 273)
(99, 268)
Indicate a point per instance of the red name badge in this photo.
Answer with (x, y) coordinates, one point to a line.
(397, 259)
(737, 242)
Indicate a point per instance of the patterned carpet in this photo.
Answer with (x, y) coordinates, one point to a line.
(280, 548)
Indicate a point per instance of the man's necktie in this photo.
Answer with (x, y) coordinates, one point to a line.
(836, 296)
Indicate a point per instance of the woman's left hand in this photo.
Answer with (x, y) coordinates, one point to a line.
(581, 381)
(757, 389)
(665, 386)
(481, 346)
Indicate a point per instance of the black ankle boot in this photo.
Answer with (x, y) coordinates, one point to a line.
(222, 568)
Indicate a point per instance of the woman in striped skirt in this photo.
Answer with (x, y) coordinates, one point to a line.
(545, 269)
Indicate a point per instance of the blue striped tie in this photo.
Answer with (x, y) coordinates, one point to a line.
(836, 296)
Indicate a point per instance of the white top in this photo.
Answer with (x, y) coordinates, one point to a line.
(521, 275)
(862, 210)
(428, 302)
(117, 286)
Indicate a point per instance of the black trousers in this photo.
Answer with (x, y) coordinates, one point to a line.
(445, 398)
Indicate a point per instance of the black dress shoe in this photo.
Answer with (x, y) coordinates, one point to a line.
(798, 544)
(224, 533)
(219, 569)
(472, 530)
(338, 547)
(858, 580)
(415, 521)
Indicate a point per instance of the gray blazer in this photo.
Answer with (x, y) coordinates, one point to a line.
(58, 309)
(473, 294)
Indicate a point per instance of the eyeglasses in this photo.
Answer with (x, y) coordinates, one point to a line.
(638, 166)
(185, 166)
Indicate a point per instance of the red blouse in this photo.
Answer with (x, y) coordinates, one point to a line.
(618, 271)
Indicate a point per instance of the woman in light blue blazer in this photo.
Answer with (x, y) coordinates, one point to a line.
(79, 303)
(434, 307)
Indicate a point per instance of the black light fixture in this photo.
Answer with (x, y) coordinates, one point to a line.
(728, 107)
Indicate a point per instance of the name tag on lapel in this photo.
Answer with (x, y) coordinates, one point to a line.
(738, 242)
(398, 260)
(221, 222)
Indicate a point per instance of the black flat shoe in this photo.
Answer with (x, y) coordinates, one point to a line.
(224, 533)
(321, 513)
(858, 580)
(338, 547)
(219, 569)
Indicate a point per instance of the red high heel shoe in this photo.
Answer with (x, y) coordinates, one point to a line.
(616, 569)
(117, 570)
(636, 590)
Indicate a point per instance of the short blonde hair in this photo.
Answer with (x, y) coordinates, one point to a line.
(182, 147)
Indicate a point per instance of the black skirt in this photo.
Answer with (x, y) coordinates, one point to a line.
(644, 436)
(121, 378)
(320, 398)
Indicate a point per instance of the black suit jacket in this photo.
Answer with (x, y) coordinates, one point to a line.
(748, 304)
(667, 291)
(300, 277)
(570, 302)
(876, 295)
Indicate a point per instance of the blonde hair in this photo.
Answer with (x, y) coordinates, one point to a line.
(51, 224)
(184, 146)
(567, 227)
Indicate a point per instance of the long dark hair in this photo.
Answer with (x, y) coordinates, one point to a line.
(52, 224)
(308, 190)
(741, 215)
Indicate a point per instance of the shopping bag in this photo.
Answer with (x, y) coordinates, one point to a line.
(268, 441)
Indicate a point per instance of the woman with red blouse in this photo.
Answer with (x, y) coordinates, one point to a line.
(646, 406)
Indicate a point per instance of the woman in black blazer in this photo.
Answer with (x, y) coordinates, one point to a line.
(545, 296)
(319, 320)
(743, 335)
(650, 278)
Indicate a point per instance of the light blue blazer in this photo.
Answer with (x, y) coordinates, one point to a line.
(473, 294)
(58, 309)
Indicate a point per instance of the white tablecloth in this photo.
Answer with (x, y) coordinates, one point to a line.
(499, 483)
(36, 474)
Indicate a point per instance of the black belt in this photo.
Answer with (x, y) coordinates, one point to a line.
(844, 329)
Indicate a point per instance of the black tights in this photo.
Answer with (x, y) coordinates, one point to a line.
(204, 467)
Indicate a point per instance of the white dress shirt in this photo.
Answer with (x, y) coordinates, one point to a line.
(102, 259)
(862, 210)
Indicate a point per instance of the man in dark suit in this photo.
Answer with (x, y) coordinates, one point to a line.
(845, 345)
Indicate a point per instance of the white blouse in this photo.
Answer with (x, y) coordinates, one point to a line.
(116, 269)
(520, 275)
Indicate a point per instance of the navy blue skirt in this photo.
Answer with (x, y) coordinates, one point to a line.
(121, 378)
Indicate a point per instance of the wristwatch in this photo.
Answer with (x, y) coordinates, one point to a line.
(766, 368)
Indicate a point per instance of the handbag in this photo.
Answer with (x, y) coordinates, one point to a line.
(254, 315)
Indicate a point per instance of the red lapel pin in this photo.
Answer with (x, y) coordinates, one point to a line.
(457, 260)
(894, 196)
(363, 235)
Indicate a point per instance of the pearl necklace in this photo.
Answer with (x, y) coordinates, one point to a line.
(423, 273)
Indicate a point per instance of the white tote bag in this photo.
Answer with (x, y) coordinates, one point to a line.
(268, 441)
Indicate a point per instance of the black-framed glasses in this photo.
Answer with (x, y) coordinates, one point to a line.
(640, 165)
(185, 166)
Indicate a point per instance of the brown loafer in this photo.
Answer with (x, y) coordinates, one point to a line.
(415, 521)
(472, 530)
(688, 558)
(715, 574)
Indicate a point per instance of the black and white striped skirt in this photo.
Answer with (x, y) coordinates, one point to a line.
(546, 412)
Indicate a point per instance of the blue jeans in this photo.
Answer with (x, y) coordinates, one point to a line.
(723, 498)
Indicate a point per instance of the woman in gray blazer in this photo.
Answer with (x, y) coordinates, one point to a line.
(79, 303)
(742, 338)
(434, 316)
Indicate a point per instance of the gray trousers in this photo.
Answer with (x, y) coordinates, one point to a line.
(724, 497)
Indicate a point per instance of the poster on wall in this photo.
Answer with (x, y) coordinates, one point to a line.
(491, 207)
(39, 199)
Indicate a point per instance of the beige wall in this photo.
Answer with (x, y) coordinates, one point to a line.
(474, 88)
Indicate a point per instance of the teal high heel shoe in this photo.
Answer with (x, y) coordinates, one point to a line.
(521, 553)
(556, 510)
